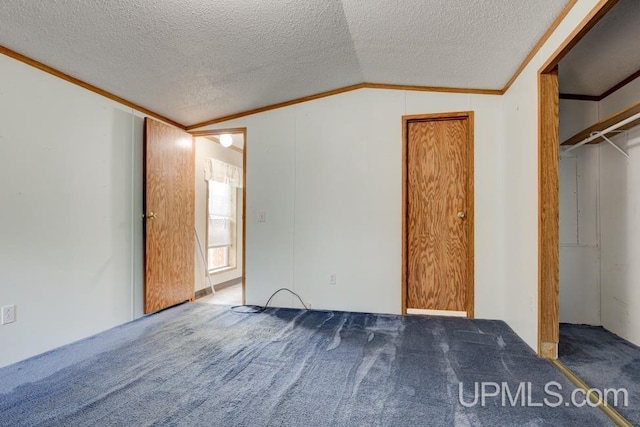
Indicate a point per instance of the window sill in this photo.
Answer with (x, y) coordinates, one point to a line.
(221, 270)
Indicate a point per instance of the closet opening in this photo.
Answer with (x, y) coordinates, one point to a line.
(589, 202)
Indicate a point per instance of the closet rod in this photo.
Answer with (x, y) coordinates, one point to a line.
(597, 135)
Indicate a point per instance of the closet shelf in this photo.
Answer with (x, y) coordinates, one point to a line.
(606, 123)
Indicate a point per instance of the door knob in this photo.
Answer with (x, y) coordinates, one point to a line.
(151, 215)
(461, 215)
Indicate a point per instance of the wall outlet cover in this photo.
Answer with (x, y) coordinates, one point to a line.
(8, 314)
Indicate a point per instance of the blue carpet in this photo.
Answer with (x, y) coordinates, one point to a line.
(198, 364)
(603, 360)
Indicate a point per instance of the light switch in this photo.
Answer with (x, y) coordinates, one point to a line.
(262, 216)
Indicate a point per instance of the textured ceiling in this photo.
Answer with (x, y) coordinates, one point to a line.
(608, 54)
(193, 60)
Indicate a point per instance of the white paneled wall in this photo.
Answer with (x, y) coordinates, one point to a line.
(620, 225)
(575, 116)
(347, 200)
(569, 200)
(271, 178)
(70, 206)
(328, 175)
(620, 99)
(579, 237)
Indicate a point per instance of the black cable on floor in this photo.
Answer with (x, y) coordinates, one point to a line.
(254, 309)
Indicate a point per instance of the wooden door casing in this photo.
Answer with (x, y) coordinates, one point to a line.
(438, 185)
(169, 216)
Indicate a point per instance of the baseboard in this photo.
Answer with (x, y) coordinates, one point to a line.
(448, 313)
(203, 293)
(228, 283)
(207, 291)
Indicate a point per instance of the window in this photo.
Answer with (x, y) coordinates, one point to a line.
(218, 258)
(221, 223)
(223, 182)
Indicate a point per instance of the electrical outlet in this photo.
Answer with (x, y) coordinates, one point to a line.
(333, 279)
(8, 314)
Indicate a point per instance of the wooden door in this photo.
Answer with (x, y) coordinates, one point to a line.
(169, 216)
(439, 213)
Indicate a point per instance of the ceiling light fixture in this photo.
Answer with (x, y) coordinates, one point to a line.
(226, 140)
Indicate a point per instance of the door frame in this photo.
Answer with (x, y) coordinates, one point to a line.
(549, 184)
(243, 131)
(468, 115)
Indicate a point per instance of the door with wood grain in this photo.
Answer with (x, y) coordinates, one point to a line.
(438, 208)
(169, 216)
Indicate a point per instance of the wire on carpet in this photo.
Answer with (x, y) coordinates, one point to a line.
(254, 309)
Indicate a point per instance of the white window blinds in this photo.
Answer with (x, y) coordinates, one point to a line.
(223, 180)
(221, 213)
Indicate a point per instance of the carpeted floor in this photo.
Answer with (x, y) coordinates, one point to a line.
(200, 364)
(603, 360)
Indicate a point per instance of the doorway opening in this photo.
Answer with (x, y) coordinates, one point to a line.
(220, 190)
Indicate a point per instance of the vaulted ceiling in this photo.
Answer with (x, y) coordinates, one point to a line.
(194, 60)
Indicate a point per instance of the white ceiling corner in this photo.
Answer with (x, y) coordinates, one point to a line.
(193, 60)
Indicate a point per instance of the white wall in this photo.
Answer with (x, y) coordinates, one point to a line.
(579, 236)
(620, 99)
(328, 175)
(579, 232)
(71, 200)
(521, 182)
(620, 222)
(575, 116)
(207, 149)
(620, 190)
(598, 283)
